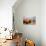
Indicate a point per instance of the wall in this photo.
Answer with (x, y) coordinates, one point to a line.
(6, 16)
(43, 22)
(28, 8)
(6, 13)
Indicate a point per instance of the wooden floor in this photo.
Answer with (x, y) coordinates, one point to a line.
(16, 41)
(9, 43)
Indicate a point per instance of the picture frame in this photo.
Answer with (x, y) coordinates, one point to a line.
(29, 20)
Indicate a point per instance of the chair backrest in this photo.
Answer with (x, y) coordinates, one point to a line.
(29, 43)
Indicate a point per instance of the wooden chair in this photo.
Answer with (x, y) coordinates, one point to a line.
(29, 43)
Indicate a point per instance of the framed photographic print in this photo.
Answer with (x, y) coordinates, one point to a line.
(29, 20)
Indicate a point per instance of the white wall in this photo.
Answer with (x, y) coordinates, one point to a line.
(31, 8)
(6, 13)
(6, 16)
(43, 22)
